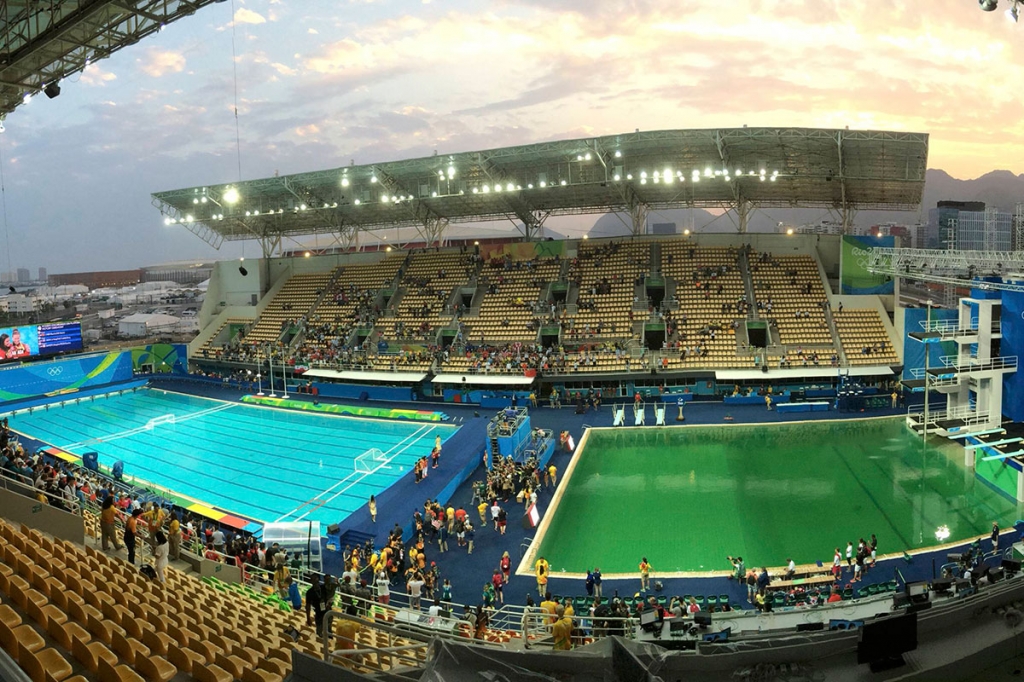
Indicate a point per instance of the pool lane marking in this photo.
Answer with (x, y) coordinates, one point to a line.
(150, 426)
(317, 499)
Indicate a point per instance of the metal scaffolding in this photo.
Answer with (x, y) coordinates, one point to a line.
(45, 41)
(739, 169)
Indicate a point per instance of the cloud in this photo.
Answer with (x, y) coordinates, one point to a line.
(313, 32)
(160, 62)
(247, 16)
(96, 76)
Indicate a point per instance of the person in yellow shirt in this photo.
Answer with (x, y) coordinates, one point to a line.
(541, 568)
(645, 575)
(561, 631)
(567, 605)
(553, 475)
(482, 509)
(174, 536)
(550, 607)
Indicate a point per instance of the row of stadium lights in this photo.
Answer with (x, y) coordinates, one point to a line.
(231, 195)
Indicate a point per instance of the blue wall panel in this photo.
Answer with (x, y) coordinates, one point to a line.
(1013, 344)
(60, 377)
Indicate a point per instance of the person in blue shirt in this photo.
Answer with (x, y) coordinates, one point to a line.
(597, 582)
(294, 598)
(590, 583)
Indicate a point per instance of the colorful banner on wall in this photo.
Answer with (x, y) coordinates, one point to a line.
(350, 410)
(161, 358)
(64, 376)
(854, 277)
(523, 250)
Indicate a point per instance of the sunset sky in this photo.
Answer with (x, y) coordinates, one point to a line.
(323, 82)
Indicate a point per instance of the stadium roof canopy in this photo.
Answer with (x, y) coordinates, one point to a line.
(44, 42)
(738, 168)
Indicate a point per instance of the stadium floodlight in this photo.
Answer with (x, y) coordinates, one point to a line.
(486, 189)
(302, 207)
(195, 201)
(510, 187)
(451, 172)
(188, 218)
(629, 176)
(707, 172)
(383, 198)
(230, 196)
(529, 186)
(497, 187)
(618, 154)
(667, 173)
(433, 194)
(617, 177)
(344, 181)
(563, 183)
(254, 213)
(543, 184)
(643, 175)
(643, 181)
(988, 5)
(587, 156)
(440, 173)
(686, 232)
(27, 98)
(474, 190)
(357, 202)
(373, 178)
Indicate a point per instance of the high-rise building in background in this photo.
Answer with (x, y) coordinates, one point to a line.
(24, 275)
(968, 225)
(42, 275)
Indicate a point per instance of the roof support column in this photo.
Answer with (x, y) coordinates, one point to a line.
(744, 208)
(638, 211)
(432, 231)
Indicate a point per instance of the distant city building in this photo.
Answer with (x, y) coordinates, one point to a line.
(908, 235)
(95, 280)
(42, 275)
(20, 303)
(943, 221)
(823, 227)
(24, 275)
(969, 225)
(182, 272)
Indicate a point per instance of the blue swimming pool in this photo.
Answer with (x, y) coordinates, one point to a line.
(262, 463)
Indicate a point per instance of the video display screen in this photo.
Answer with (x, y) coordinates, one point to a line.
(30, 340)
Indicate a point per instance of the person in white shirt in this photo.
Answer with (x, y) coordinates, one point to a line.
(790, 570)
(495, 510)
(383, 587)
(435, 609)
(160, 553)
(415, 587)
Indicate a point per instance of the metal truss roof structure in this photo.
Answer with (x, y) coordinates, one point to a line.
(45, 41)
(741, 168)
(952, 267)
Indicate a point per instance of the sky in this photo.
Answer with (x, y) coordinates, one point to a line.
(321, 83)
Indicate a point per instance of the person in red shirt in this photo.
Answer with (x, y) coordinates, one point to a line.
(498, 583)
(835, 596)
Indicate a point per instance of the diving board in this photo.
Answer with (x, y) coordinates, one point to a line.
(1005, 455)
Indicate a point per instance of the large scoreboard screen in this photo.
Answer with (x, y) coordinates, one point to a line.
(30, 341)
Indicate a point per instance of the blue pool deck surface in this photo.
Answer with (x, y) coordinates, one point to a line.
(261, 463)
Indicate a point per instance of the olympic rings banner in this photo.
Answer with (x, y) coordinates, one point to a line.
(33, 380)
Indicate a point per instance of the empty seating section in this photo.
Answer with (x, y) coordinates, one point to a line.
(351, 301)
(709, 288)
(506, 310)
(606, 276)
(216, 341)
(792, 286)
(291, 303)
(864, 337)
(428, 280)
(68, 610)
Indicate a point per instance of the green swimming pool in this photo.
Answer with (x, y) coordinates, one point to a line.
(688, 497)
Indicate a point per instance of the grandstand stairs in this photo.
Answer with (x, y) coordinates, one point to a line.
(831, 320)
(748, 283)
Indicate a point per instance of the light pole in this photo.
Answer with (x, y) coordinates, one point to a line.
(259, 373)
(270, 372)
(284, 378)
(927, 330)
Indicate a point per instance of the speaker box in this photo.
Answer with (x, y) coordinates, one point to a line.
(333, 529)
(995, 574)
(809, 627)
(954, 558)
(942, 584)
(900, 599)
(1011, 566)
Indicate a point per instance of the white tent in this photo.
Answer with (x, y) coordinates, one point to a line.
(143, 324)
